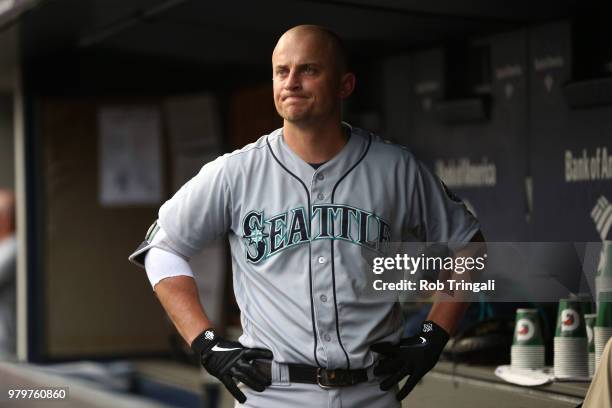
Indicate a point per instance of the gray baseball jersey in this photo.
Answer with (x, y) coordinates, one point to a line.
(298, 238)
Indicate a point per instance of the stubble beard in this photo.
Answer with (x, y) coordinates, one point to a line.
(307, 116)
(296, 116)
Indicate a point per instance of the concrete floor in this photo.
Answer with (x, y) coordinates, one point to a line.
(473, 387)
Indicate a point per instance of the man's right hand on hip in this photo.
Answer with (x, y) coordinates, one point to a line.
(229, 361)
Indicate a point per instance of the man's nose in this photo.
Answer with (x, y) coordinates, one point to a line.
(293, 81)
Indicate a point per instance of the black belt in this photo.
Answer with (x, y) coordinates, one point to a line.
(325, 378)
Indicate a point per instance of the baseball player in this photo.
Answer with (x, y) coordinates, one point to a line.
(303, 206)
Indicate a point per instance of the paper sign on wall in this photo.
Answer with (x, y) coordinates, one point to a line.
(129, 156)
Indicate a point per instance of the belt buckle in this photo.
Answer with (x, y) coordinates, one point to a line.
(323, 380)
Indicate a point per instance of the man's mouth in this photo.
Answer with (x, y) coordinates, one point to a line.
(293, 98)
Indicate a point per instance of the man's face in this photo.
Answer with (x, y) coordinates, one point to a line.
(307, 84)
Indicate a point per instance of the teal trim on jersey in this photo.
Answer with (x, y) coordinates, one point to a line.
(152, 231)
(254, 224)
(337, 214)
(290, 240)
(258, 246)
(315, 216)
(281, 219)
(351, 215)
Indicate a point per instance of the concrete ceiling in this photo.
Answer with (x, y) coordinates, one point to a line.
(244, 32)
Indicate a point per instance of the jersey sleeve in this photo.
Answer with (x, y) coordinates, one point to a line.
(441, 215)
(156, 238)
(200, 211)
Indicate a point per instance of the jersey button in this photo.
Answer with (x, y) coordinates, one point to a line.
(323, 298)
(320, 196)
(321, 259)
(327, 337)
(320, 176)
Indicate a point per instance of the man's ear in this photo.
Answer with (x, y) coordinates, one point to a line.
(347, 85)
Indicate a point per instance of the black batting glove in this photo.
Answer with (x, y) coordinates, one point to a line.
(229, 361)
(413, 356)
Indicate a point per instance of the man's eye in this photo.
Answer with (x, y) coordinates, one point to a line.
(281, 73)
(310, 70)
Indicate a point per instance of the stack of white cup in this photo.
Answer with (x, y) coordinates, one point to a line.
(589, 320)
(603, 324)
(570, 343)
(602, 335)
(527, 351)
(571, 357)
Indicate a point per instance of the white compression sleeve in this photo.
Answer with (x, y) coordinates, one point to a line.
(161, 264)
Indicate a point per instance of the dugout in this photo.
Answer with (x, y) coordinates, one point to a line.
(452, 80)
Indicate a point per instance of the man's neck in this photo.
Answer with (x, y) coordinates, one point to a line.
(315, 144)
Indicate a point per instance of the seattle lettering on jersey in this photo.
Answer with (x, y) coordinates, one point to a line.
(268, 236)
